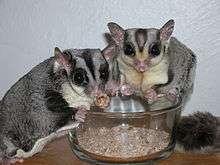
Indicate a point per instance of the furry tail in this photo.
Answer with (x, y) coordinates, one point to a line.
(198, 133)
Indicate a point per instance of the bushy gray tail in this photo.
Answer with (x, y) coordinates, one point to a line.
(198, 131)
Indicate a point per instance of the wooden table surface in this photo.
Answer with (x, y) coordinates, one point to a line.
(59, 153)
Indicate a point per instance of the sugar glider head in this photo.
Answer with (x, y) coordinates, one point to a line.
(87, 70)
(140, 48)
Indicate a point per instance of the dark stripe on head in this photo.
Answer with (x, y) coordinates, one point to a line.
(126, 35)
(141, 38)
(68, 55)
(158, 35)
(89, 62)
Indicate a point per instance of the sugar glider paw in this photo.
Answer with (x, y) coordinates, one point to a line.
(172, 95)
(126, 90)
(112, 88)
(81, 114)
(151, 96)
(103, 101)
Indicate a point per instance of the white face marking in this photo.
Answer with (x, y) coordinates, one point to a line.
(75, 98)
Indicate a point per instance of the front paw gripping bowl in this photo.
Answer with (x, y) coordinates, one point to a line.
(128, 132)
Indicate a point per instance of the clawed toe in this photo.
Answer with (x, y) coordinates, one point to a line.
(81, 114)
(172, 95)
(126, 90)
(112, 88)
(151, 96)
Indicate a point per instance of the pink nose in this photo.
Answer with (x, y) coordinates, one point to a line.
(141, 66)
(142, 69)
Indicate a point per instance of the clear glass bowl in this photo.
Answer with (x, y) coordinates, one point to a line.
(129, 132)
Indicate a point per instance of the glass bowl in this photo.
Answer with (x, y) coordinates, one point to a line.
(129, 132)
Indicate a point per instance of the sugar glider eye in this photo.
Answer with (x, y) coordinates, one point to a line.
(129, 50)
(104, 72)
(80, 77)
(154, 49)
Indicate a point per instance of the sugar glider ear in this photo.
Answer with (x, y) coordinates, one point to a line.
(63, 60)
(117, 32)
(110, 51)
(167, 30)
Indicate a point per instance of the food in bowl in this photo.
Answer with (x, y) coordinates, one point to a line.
(123, 141)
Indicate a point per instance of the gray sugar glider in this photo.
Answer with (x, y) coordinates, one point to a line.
(40, 106)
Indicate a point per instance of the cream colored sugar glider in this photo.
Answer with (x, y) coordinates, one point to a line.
(151, 61)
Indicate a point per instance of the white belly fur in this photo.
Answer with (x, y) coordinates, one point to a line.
(156, 75)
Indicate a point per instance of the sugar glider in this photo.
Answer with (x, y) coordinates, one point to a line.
(151, 61)
(40, 106)
(136, 51)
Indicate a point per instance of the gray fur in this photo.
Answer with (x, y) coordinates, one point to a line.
(40, 106)
(198, 133)
(24, 117)
(181, 68)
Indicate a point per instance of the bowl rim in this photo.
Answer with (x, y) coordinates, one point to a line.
(178, 105)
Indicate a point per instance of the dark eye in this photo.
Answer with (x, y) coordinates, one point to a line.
(104, 72)
(155, 49)
(128, 50)
(80, 77)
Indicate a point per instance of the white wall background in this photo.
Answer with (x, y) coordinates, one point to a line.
(30, 29)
